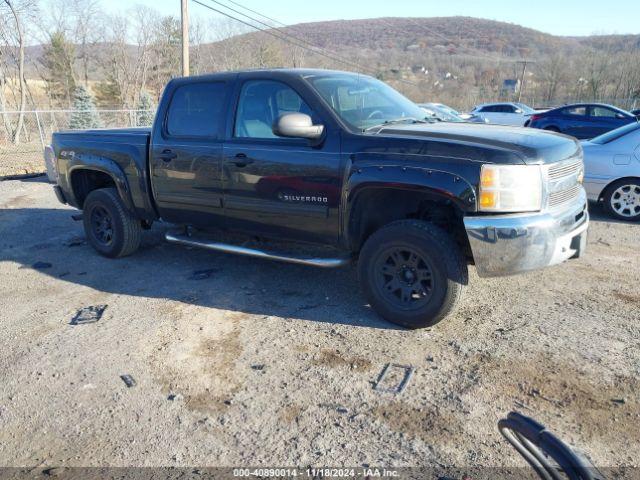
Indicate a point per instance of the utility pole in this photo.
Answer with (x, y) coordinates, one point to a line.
(524, 70)
(184, 16)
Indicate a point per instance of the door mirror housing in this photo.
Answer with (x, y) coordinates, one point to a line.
(297, 125)
(620, 116)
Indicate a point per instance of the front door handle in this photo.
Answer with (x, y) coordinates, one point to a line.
(167, 155)
(241, 160)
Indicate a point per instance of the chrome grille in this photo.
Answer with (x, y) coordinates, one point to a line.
(564, 181)
(560, 170)
(563, 196)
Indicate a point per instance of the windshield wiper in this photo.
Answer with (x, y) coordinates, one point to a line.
(394, 121)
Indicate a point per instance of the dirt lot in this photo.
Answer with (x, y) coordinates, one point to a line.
(259, 363)
(22, 159)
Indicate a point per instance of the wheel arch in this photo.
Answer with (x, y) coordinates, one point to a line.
(98, 172)
(606, 188)
(377, 196)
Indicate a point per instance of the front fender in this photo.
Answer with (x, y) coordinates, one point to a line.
(436, 183)
(439, 186)
(85, 161)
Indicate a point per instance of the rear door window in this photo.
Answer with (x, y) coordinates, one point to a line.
(602, 112)
(197, 110)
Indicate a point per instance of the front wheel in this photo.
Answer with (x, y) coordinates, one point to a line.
(622, 200)
(111, 230)
(412, 273)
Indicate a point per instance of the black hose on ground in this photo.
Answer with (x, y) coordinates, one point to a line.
(549, 456)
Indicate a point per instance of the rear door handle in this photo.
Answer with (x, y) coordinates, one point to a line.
(167, 155)
(241, 160)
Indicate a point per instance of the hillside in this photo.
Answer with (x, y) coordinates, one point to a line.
(451, 35)
(461, 35)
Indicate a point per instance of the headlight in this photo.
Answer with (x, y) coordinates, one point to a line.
(510, 188)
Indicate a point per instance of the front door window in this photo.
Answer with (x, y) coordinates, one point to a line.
(261, 103)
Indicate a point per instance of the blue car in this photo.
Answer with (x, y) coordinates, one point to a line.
(582, 120)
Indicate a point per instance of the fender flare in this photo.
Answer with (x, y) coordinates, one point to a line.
(83, 161)
(440, 185)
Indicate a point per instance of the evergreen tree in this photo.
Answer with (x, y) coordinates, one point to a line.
(145, 110)
(85, 114)
(57, 59)
(108, 93)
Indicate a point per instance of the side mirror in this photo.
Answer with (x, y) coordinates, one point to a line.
(620, 116)
(518, 111)
(297, 125)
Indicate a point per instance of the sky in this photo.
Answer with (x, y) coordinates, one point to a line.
(558, 17)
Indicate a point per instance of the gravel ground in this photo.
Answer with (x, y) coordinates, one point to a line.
(20, 160)
(250, 362)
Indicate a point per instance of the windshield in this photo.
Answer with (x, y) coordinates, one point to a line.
(363, 102)
(616, 134)
(525, 108)
(444, 113)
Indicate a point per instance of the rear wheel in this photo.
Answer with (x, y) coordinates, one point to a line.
(111, 230)
(622, 200)
(412, 273)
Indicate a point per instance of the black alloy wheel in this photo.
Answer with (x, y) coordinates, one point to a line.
(404, 278)
(102, 225)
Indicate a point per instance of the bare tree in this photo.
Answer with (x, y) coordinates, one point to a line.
(85, 16)
(553, 73)
(21, 78)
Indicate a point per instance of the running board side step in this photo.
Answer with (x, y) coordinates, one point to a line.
(184, 239)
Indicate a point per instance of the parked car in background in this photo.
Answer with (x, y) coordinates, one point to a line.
(506, 113)
(441, 113)
(582, 120)
(612, 171)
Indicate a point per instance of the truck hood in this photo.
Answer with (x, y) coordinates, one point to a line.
(530, 145)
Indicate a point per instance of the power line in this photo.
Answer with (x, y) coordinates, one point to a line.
(273, 20)
(273, 34)
(331, 54)
(285, 37)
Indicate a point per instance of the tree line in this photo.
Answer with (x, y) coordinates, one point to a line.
(61, 53)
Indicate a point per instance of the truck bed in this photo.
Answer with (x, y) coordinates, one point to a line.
(125, 150)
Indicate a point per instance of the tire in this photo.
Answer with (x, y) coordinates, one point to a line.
(111, 230)
(552, 129)
(412, 273)
(622, 200)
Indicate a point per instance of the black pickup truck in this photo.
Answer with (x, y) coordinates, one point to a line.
(337, 161)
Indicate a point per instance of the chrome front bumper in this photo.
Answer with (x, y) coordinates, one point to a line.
(509, 244)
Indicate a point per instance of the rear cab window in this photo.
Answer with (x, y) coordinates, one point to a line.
(197, 110)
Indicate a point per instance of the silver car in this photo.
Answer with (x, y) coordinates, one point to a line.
(612, 171)
(505, 113)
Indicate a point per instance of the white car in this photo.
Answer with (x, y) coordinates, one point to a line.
(612, 171)
(505, 113)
